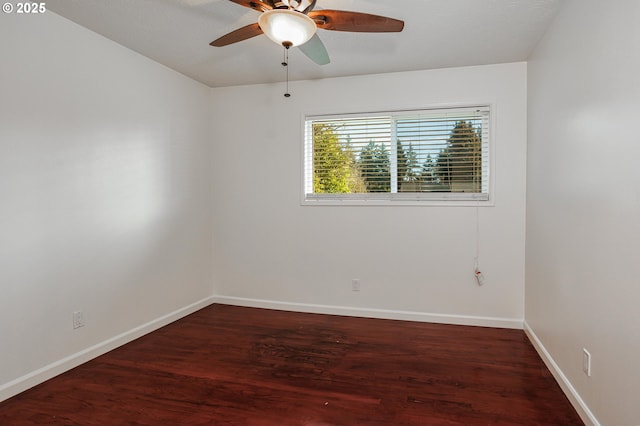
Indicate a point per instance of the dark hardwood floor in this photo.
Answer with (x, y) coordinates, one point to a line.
(226, 365)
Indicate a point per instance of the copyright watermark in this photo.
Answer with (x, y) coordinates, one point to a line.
(24, 8)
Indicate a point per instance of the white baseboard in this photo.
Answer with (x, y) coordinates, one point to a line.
(578, 403)
(47, 372)
(516, 323)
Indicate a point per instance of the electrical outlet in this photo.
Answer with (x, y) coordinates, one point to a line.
(78, 319)
(586, 362)
(355, 284)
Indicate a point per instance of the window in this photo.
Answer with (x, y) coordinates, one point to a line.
(411, 156)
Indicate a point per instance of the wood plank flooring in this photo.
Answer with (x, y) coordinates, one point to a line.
(226, 365)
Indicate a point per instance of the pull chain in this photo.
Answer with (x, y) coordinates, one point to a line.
(285, 64)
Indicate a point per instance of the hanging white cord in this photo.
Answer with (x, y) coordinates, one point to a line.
(477, 271)
(477, 236)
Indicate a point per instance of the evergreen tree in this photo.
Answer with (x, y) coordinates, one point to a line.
(374, 168)
(427, 173)
(402, 165)
(408, 167)
(459, 165)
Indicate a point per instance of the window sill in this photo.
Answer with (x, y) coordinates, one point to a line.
(448, 200)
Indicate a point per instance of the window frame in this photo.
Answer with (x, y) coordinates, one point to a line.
(400, 198)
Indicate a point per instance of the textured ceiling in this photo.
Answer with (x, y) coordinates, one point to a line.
(437, 34)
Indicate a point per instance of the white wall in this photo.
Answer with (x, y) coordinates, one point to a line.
(583, 207)
(413, 262)
(105, 196)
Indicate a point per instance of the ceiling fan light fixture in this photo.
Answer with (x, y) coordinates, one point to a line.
(284, 26)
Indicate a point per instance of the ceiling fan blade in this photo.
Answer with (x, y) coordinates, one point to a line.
(240, 34)
(258, 5)
(315, 50)
(342, 20)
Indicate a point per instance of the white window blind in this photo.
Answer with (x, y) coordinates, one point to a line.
(422, 155)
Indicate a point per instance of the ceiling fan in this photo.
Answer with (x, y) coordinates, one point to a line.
(294, 23)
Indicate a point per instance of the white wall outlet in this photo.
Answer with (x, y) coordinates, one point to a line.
(355, 284)
(78, 319)
(586, 362)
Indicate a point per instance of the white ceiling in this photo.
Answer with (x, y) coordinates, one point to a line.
(437, 34)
